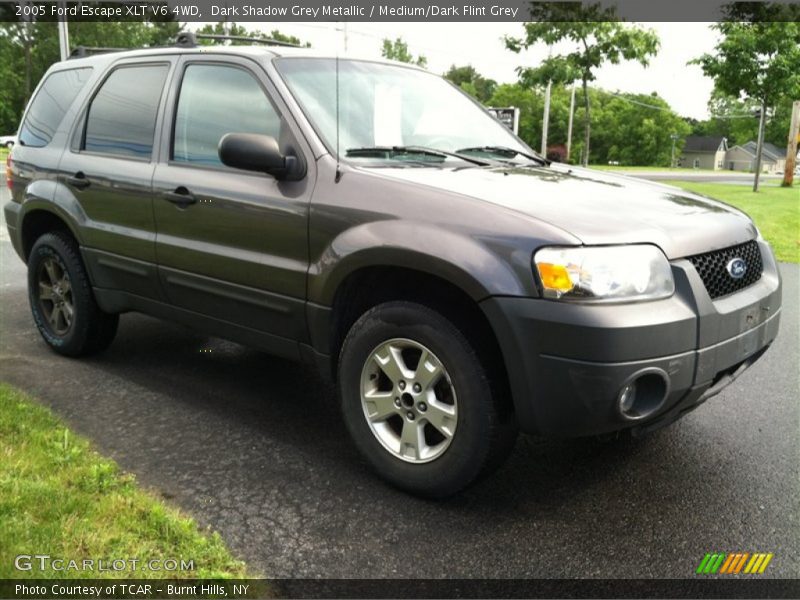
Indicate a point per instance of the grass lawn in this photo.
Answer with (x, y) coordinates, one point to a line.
(677, 170)
(775, 210)
(59, 497)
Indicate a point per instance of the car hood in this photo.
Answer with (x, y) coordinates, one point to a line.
(596, 207)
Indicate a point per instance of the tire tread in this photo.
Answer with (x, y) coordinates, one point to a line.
(500, 428)
(95, 329)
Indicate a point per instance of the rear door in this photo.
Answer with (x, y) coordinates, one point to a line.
(42, 134)
(231, 244)
(109, 169)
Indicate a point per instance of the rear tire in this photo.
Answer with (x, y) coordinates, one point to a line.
(431, 429)
(61, 298)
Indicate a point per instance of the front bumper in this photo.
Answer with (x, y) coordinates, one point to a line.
(568, 362)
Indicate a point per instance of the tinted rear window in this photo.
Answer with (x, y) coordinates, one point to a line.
(50, 105)
(122, 116)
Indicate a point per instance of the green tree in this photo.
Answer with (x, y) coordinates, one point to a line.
(224, 28)
(28, 50)
(232, 29)
(278, 36)
(756, 62)
(472, 82)
(397, 49)
(732, 118)
(530, 102)
(598, 36)
(737, 120)
(780, 119)
(635, 129)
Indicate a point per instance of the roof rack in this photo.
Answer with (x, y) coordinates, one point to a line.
(188, 39)
(82, 51)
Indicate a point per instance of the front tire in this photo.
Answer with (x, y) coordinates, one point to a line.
(418, 401)
(61, 298)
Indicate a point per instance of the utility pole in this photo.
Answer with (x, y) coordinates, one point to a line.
(63, 33)
(569, 123)
(674, 137)
(343, 29)
(791, 147)
(546, 115)
(760, 145)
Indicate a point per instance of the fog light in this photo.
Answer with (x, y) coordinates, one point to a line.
(626, 398)
(643, 395)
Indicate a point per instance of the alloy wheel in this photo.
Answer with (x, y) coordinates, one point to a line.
(54, 293)
(409, 400)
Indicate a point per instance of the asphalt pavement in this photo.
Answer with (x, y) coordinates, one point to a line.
(252, 446)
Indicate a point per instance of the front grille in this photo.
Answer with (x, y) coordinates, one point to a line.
(712, 268)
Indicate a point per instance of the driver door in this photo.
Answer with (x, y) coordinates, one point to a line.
(230, 244)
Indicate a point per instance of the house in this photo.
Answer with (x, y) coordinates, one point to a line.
(704, 152)
(743, 158)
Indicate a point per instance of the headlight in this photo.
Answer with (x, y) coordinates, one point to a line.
(604, 273)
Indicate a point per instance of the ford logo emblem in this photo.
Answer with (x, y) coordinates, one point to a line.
(737, 268)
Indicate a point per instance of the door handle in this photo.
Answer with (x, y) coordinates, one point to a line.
(182, 197)
(79, 180)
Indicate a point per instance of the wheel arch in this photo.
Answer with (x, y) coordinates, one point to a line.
(466, 261)
(48, 202)
(372, 285)
(37, 220)
(403, 260)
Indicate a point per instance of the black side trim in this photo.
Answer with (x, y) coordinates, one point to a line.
(116, 272)
(117, 301)
(250, 307)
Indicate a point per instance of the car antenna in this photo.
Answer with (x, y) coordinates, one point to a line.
(338, 169)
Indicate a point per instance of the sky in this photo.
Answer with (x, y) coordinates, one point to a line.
(480, 44)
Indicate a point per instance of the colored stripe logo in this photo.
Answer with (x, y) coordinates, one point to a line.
(734, 563)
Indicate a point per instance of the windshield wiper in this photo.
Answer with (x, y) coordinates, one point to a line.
(507, 152)
(374, 152)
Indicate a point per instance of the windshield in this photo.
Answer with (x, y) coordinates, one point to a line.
(386, 107)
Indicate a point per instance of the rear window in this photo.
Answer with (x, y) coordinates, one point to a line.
(122, 116)
(50, 105)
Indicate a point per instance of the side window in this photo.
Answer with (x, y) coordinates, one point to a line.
(50, 105)
(122, 117)
(215, 100)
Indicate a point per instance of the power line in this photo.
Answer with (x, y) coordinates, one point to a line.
(669, 109)
(732, 116)
(332, 28)
(632, 101)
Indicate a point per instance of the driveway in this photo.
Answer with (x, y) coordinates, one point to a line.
(252, 446)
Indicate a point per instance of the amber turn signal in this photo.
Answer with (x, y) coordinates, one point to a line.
(554, 277)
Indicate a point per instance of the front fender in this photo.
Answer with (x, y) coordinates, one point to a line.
(467, 262)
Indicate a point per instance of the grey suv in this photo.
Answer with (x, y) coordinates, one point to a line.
(371, 219)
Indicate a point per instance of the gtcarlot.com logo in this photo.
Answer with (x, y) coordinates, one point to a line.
(44, 562)
(734, 563)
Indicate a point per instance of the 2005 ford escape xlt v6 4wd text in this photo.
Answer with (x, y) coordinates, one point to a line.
(372, 219)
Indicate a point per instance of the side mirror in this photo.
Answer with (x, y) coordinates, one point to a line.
(256, 152)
